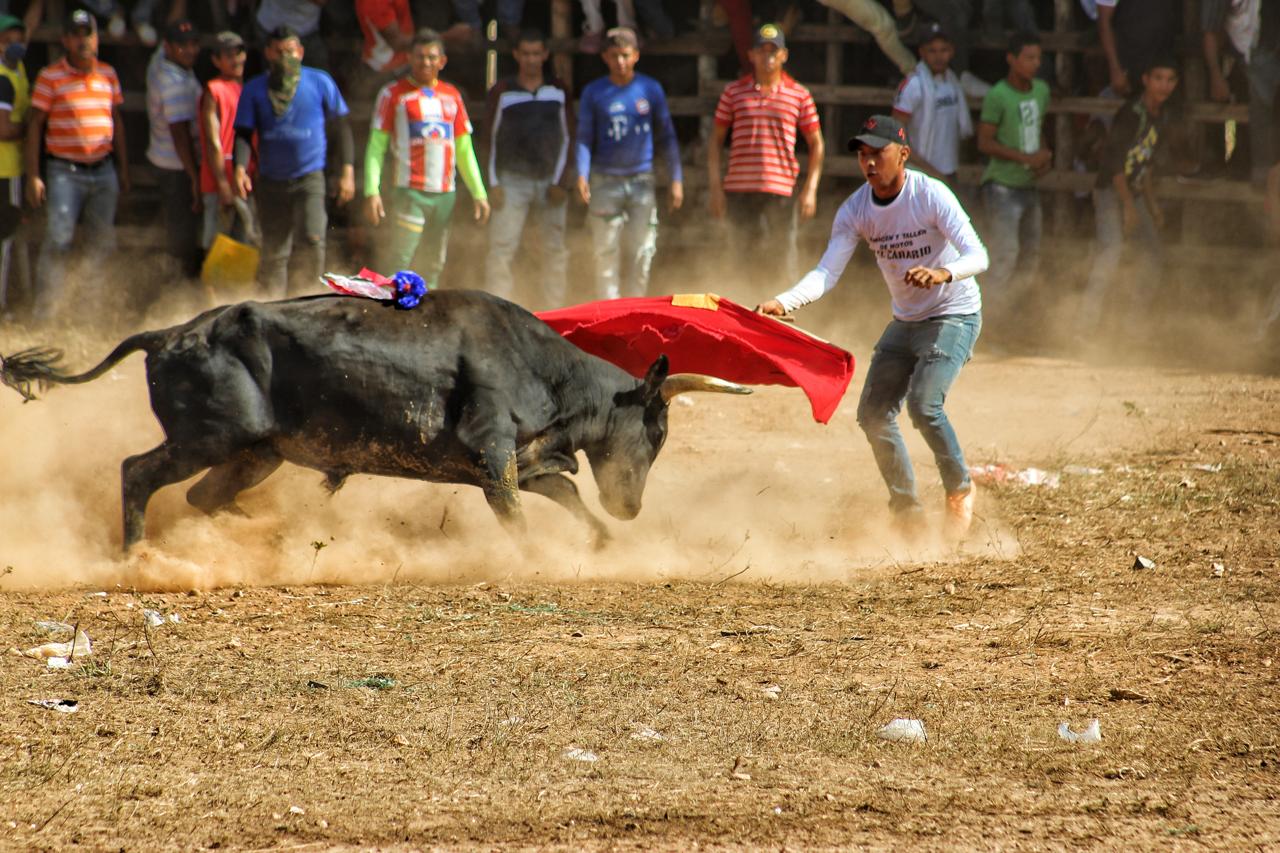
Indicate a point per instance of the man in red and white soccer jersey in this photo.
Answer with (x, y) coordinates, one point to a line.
(765, 109)
(422, 121)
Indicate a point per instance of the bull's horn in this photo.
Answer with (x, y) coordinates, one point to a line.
(681, 383)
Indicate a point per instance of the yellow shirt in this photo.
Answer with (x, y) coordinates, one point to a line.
(19, 101)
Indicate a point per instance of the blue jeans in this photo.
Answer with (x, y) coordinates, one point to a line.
(520, 196)
(916, 362)
(624, 231)
(73, 191)
(1109, 250)
(1014, 223)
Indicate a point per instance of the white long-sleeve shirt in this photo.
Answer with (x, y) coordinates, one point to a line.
(924, 226)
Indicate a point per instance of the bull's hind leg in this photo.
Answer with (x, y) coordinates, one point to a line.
(144, 474)
(217, 490)
(564, 491)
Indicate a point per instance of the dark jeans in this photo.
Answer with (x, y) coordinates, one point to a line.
(15, 265)
(181, 225)
(292, 210)
(764, 220)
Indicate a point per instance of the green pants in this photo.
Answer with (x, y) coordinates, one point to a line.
(414, 218)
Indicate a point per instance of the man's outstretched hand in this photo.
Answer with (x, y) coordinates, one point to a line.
(773, 308)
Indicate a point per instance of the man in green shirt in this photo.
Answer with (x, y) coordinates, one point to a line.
(1011, 133)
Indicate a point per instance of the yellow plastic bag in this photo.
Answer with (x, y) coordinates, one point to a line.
(229, 262)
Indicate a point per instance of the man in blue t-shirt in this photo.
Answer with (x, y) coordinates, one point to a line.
(285, 112)
(619, 117)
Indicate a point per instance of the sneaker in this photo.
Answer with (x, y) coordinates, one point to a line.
(147, 34)
(960, 512)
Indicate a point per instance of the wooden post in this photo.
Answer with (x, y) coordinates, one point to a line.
(562, 28)
(1064, 69)
(704, 263)
(835, 76)
(1196, 89)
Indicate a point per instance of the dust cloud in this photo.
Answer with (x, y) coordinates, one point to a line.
(746, 490)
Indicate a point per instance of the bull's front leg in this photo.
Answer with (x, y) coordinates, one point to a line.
(488, 432)
(500, 480)
(563, 491)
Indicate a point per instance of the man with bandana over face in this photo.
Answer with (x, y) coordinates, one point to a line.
(287, 109)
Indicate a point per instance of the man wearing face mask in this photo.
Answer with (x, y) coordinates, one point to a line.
(78, 99)
(172, 92)
(15, 98)
(287, 109)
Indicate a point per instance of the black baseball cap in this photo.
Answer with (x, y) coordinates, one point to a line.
(181, 32)
(879, 131)
(226, 41)
(284, 32)
(770, 34)
(935, 31)
(79, 19)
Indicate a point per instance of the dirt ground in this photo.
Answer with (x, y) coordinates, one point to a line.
(385, 669)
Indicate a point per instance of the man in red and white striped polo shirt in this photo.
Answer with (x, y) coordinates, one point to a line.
(75, 112)
(765, 109)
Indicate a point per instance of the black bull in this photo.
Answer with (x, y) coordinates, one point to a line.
(467, 388)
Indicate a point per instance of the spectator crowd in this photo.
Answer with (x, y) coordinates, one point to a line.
(267, 160)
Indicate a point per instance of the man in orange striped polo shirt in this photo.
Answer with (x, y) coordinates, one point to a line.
(765, 109)
(75, 112)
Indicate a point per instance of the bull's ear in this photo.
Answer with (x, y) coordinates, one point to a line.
(655, 377)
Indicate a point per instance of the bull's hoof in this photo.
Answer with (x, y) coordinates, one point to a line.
(600, 539)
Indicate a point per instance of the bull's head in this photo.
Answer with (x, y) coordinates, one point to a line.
(636, 432)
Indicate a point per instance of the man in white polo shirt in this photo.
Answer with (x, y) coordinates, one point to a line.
(172, 93)
(928, 254)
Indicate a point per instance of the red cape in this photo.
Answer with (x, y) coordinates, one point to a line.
(705, 333)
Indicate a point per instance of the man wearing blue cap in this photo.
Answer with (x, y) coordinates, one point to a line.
(928, 253)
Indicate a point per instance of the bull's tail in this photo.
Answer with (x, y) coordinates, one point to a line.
(38, 366)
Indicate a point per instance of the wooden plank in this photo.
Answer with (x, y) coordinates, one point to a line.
(882, 96)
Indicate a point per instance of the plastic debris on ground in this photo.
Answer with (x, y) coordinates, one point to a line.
(994, 474)
(64, 706)
(1081, 471)
(773, 691)
(903, 729)
(1091, 734)
(1141, 562)
(1219, 569)
(51, 627)
(573, 753)
(153, 618)
(78, 647)
(1212, 469)
(373, 682)
(643, 732)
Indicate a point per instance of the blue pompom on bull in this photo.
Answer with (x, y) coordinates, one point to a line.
(466, 388)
